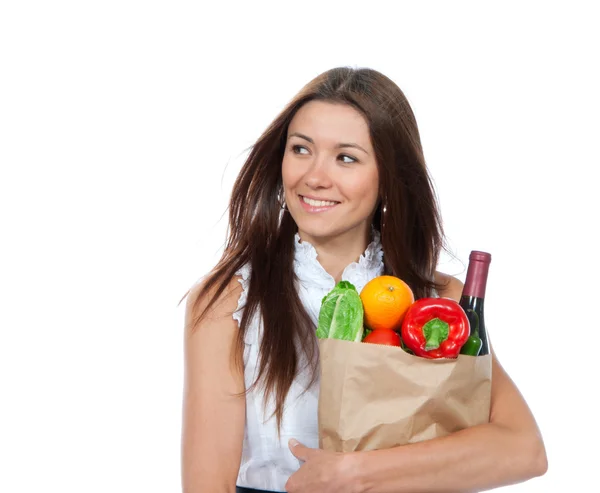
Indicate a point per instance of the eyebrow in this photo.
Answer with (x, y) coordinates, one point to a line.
(339, 146)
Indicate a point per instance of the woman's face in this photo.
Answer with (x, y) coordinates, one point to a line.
(330, 175)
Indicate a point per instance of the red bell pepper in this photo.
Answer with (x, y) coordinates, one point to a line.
(435, 328)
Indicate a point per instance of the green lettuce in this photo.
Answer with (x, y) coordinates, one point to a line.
(341, 314)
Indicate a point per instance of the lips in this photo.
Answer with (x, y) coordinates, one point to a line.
(313, 205)
(313, 202)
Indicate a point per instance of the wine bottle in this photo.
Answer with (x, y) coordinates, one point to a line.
(471, 301)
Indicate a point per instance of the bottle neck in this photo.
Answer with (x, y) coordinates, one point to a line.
(472, 302)
(476, 279)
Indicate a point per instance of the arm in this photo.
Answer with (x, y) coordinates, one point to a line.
(507, 450)
(213, 418)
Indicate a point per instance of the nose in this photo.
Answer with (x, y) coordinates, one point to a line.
(317, 177)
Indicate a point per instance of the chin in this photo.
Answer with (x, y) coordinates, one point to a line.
(316, 232)
(323, 229)
(315, 228)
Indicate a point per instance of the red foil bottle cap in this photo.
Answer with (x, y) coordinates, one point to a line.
(477, 274)
(481, 256)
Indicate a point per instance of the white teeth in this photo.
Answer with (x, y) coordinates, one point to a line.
(318, 203)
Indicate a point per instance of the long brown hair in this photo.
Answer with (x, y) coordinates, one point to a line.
(261, 235)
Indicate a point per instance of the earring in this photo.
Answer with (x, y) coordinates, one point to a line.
(282, 202)
(383, 214)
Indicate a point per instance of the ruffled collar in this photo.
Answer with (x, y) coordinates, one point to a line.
(310, 271)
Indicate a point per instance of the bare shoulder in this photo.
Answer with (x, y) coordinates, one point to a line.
(451, 287)
(213, 401)
(210, 331)
(220, 310)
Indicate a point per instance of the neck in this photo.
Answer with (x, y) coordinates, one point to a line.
(336, 253)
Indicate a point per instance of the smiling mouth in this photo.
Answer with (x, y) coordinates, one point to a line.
(317, 203)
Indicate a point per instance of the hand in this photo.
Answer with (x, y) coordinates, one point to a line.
(322, 472)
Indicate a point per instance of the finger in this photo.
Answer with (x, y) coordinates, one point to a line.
(301, 451)
(297, 449)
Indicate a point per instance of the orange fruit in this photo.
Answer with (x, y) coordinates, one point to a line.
(386, 299)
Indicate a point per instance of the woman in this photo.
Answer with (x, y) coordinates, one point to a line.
(336, 188)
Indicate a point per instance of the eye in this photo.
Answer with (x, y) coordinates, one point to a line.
(296, 148)
(354, 160)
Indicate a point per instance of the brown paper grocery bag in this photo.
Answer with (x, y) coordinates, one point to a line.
(374, 396)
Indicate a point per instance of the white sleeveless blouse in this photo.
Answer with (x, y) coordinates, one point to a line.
(267, 462)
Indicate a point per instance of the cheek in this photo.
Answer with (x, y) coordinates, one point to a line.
(288, 174)
(365, 188)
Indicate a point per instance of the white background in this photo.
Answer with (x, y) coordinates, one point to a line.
(122, 127)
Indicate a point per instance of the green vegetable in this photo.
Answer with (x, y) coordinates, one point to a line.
(341, 314)
(472, 346)
(474, 342)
